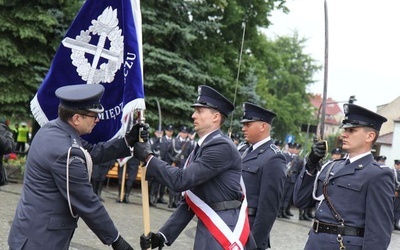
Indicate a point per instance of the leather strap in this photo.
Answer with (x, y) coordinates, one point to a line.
(321, 227)
(225, 205)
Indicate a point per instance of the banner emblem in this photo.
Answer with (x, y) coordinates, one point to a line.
(106, 26)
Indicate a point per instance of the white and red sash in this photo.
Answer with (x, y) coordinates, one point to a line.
(229, 240)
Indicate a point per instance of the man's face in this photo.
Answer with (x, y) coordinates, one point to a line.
(336, 156)
(86, 123)
(183, 135)
(205, 120)
(169, 133)
(357, 139)
(397, 166)
(251, 131)
(158, 133)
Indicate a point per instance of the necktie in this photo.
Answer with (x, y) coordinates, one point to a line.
(247, 151)
(196, 148)
(347, 162)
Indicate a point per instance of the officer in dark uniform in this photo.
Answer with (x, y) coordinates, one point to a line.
(278, 144)
(57, 189)
(180, 150)
(132, 168)
(381, 159)
(397, 198)
(7, 145)
(155, 143)
(336, 153)
(99, 175)
(291, 164)
(165, 155)
(211, 178)
(353, 196)
(235, 138)
(264, 172)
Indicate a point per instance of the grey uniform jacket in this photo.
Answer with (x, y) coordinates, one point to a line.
(213, 175)
(264, 176)
(42, 219)
(362, 193)
(7, 143)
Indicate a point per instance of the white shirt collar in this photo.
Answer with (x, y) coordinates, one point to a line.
(201, 140)
(256, 145)
(358, 157)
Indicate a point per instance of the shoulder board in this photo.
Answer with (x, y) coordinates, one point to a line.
(217, 136)
(341, 159)
(380, 165)
(275, 148)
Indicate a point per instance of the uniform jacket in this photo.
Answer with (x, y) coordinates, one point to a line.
(264, 176)
(362, 193)
(7, 143)
(295, 164)
(42, 218)
(180, 150)
(213, 175)
(165, 145)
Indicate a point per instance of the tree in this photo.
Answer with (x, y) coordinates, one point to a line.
(185, 44)
(286, 81)
(170, 75)
(29, 35)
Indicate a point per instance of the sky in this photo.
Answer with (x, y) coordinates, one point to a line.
(364, 46)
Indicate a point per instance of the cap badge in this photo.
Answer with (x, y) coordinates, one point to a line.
(346, 109)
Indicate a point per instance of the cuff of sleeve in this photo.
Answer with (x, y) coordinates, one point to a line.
(165, 238)
(147, 163)
(116, 238)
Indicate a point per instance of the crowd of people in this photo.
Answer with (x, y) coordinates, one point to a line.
(352, 197)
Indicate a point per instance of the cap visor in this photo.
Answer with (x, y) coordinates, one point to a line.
(246, 120)
(351, 125)
(98, 110)
(199, 105)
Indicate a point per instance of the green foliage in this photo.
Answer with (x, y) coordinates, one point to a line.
(29, 35)
(185, 44)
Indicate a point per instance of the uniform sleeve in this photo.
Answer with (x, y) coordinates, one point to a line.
(106, 151)
(379, 211)
(271, 191)
(84, 202)
(303, 188)
(177, 222)
(202, 169)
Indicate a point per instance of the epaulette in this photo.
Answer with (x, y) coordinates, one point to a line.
(340, 159)
(275, 148)
(380, 165)
(216, 136)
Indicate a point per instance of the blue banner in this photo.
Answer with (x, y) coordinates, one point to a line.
(102, 46)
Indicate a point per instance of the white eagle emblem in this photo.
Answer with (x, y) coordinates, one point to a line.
(106, 26)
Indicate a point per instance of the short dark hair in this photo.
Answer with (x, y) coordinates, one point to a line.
(66, 113)
(370, 129)
(223, 117)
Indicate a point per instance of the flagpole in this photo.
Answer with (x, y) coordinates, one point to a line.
(123, 177)
(145, 189)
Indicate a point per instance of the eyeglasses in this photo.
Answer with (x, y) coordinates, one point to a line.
(93, 116)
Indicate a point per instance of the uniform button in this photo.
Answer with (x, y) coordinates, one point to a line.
(63, 225)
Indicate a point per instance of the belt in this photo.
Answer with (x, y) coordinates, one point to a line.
(320, 227)
(251, 211)
(225, 205)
